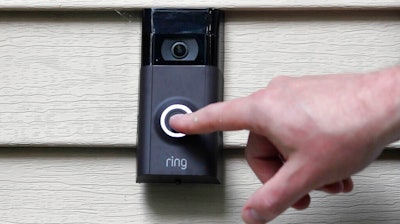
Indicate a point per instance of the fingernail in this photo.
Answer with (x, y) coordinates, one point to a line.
(256, 216)
(176, 116)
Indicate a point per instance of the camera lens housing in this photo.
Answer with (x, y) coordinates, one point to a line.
(198, 28)
(179, 50)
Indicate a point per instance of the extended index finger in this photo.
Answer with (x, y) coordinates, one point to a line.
(222, 116)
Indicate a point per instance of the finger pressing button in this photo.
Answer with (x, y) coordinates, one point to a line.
(167, 114)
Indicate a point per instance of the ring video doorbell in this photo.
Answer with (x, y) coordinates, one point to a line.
(181, 72)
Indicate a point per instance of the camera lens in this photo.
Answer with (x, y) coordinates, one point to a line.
(179, 50)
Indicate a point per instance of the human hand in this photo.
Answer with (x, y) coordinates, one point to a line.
(306, 133)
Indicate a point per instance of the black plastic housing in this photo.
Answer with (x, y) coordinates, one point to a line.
(195, 80)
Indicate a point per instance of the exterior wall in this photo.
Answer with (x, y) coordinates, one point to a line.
(80, 185)
(70, 78)
(232, 5)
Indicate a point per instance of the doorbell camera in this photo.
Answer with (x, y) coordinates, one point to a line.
(179, 50)
(181, 72)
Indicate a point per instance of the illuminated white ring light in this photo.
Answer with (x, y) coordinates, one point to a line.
(164, 116)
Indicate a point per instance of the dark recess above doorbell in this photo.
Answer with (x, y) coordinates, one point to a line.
(181, 36)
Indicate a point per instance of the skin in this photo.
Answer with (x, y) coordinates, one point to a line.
(306, 133)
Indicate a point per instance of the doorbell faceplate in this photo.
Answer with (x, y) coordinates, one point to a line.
(181, 72)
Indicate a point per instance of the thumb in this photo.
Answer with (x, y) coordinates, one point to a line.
(293, 181)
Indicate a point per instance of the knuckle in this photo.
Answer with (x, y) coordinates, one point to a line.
(272, 207)
(282, 84)
(279, 80)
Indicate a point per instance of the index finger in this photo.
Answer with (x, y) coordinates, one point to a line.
(222, 116)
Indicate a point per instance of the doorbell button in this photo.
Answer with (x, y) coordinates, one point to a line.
(167, 114)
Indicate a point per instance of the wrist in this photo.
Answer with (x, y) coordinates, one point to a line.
(385, 97)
